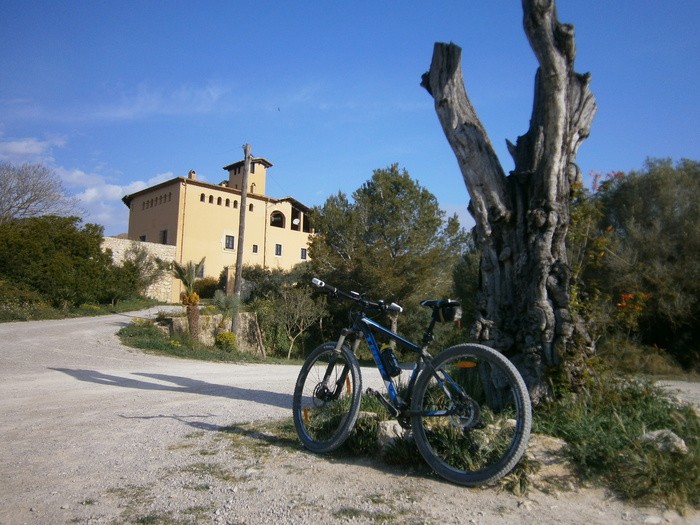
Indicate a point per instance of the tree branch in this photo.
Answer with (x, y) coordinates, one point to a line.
(481, 170)
(563, 107)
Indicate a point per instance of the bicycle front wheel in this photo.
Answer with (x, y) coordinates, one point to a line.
(327, 398)
(471, 415)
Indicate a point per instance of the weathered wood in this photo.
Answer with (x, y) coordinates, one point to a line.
(522, 218)
(238, 277)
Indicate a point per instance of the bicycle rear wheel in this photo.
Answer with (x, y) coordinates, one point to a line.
(471, 418)
(327, 398)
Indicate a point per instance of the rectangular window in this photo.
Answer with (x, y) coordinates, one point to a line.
(164, 236)
(278, 250)
(255, 248)
(303, 254)
(229, 242)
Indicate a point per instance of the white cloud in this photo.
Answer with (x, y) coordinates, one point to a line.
(142, 101)
(77, 178)
(97, 195)
(148, 101)
(101, 199)
(29, 149)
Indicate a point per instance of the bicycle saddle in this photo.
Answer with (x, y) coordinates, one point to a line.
(440, 303)
(444, 310)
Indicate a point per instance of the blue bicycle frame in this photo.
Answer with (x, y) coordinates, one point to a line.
(363, 328)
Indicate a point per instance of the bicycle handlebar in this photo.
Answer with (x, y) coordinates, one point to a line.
(354, 296)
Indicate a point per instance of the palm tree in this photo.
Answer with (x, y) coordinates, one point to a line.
(187, 274)
(228, 305)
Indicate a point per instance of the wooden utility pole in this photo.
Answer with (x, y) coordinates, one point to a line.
(238, 278)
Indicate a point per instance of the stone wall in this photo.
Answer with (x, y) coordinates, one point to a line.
(162, 289)
(248, 339)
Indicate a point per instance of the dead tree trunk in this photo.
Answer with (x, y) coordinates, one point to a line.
(522, 218)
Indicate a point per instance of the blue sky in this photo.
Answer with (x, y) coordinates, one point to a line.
(118, 95)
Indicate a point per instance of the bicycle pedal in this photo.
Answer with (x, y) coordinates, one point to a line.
(384, 401)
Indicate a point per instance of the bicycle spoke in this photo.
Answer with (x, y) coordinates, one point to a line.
(474, 419)
(327, 398)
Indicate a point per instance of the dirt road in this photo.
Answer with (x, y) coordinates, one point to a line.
(93, 432)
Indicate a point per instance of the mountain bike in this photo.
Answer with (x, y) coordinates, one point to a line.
(467, 407)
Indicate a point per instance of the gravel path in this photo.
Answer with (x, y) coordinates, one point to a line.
(93, 432)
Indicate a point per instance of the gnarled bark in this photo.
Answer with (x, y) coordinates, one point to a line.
(522, 218)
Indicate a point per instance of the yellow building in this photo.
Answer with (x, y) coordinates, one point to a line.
(201, 220)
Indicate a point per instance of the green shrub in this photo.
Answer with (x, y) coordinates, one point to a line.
(603, 427)
(58, 257)
(626, 356)
(206, 287)
(226, 341)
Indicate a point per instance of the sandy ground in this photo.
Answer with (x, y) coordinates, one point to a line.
(94, 432)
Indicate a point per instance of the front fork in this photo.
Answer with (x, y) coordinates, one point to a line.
(332, 392)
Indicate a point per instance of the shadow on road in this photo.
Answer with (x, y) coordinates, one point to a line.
(183, 385)
(193, 420)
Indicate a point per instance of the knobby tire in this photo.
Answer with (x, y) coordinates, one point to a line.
(473, 428)
(327, 398)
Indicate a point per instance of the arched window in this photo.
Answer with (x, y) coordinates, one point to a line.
(235, 204)
(277, 219)
(250, 208)
(228, 203)
(202, 197)
(211, 199)
(218, 201)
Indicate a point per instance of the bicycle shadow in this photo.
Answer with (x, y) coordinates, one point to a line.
(182, 385)
(345, 455)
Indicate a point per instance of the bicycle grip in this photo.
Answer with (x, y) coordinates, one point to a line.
(395, 308)
(318, 282)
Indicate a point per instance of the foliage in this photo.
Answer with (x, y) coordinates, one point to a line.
(226, 341)
(466, 283)
(146, 268)
(632, 246)
(287, 316)
(61, 262)
(21, 303)
(228, 305)
(296, 311)
(604, 428)
(58, 258)
(288, 313)
(27, 306)
(187, 274)
(655, 215)
(121, 283)
(148, 337)
(259, 282)
(137, 271)
(273, 336)
(626, 356)
(206, 287)
(31, 190)
(391, 242)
